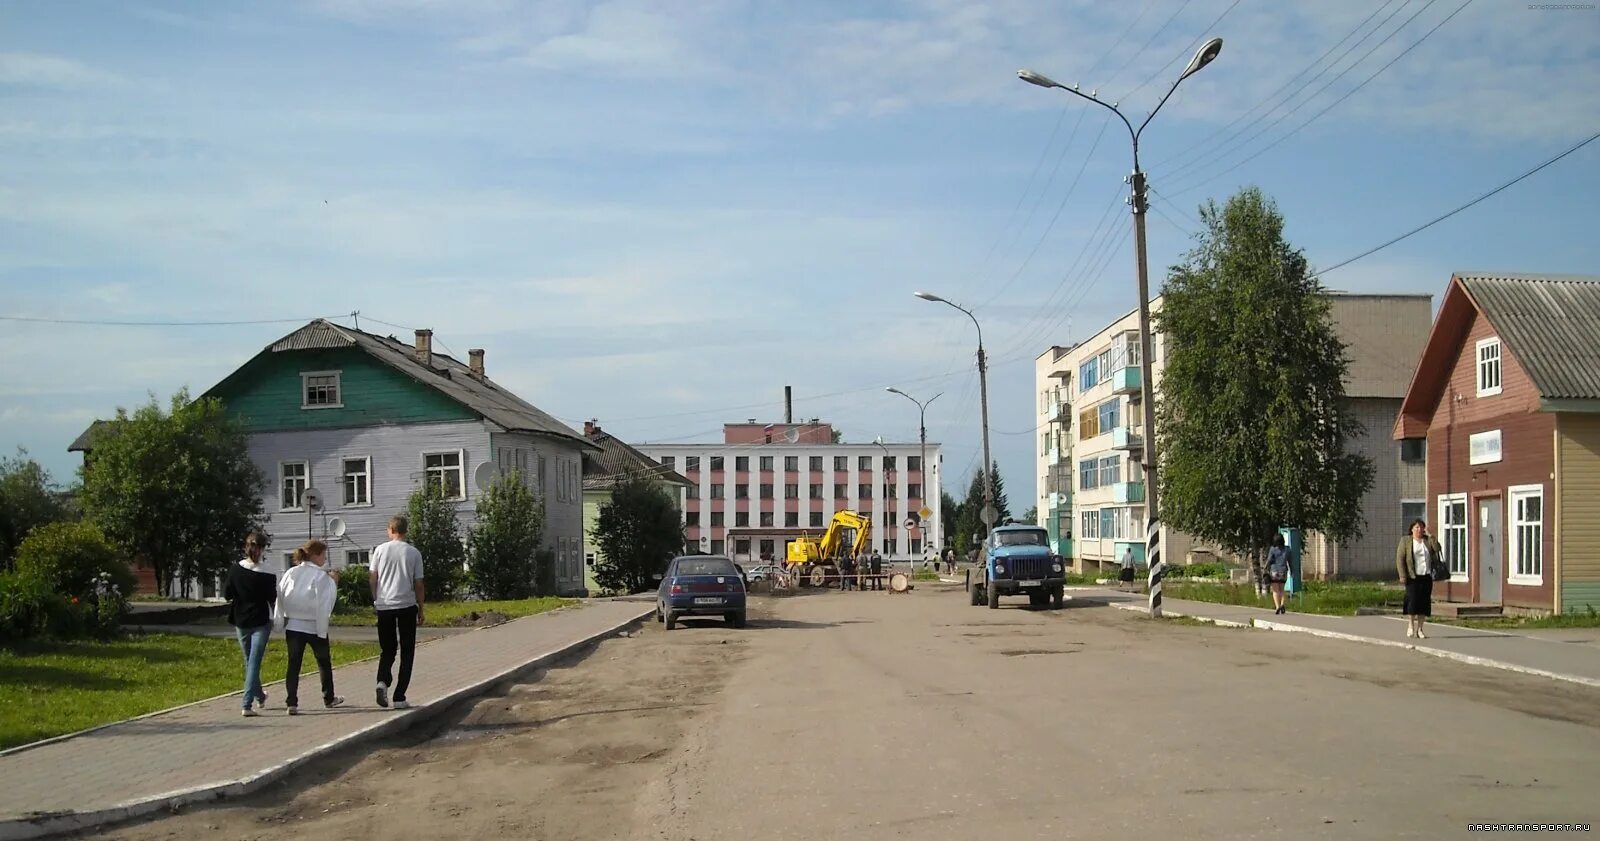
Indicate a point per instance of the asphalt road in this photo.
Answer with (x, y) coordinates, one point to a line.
(871, 715)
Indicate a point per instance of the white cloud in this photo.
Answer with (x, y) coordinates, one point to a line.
(48, 71)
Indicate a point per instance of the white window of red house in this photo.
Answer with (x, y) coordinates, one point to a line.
(1453, 533)
(1488, 367)
(1527, 534)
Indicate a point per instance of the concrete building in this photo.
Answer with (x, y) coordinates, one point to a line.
(1091, 437)
(758, 490)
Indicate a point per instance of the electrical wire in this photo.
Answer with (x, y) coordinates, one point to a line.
(99, 323)
(1187, 51)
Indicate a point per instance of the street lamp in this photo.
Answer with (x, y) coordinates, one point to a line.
(983, 400)
(1207, 53)
(922, 433)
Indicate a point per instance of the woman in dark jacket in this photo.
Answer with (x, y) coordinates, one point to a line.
(1414, 559)
(251, 592)
(1277, 571)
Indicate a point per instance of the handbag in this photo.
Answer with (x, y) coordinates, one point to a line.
(1437, 566)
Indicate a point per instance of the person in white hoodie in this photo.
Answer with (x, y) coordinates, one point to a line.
(306, 594)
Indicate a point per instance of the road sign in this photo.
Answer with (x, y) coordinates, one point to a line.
(925, 513)
(911, 522)
(988, 515)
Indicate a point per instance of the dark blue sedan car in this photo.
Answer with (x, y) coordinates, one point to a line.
(701, 585)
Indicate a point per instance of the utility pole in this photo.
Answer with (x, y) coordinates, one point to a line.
(983, 399)
(1138, 202)
(922, 434)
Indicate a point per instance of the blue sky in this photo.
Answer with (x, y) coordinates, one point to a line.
(660, 213)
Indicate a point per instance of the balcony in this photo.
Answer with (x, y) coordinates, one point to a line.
(1059, 413)
(1052, 456)
(1126, 381)
(1124, 438)
(1125, 492)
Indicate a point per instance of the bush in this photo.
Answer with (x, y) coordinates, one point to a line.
(29, 609)
(505, 542)
(355, 587)
(74, 560)
(436, 533)
(1205, 570)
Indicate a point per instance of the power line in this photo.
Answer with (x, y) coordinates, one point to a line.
(1263, 150)
(1134, 57)
(1420, 228)
(99, 323)
(1187, 51)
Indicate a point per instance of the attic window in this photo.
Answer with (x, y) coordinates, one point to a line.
(320, 390)
(1488, 367)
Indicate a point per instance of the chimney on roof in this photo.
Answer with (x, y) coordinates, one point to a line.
(475, 361)
(425, 347)
(590, 427)
(788, 404)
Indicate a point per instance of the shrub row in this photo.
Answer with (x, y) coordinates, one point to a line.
(69, 584)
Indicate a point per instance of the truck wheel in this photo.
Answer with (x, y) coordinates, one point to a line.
(1058, 597)
(994, 597)
(671, 620)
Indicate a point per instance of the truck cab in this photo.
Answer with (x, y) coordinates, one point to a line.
(1017, 560)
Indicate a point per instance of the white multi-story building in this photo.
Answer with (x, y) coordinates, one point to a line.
(767, 484)
(1091, 439)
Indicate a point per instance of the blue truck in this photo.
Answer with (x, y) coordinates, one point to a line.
(1017, 560)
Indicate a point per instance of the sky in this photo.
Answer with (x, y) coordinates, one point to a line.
(658, 214)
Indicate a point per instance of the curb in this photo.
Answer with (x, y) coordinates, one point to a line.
(1223, 623)
(1431, 651)
(15, 829)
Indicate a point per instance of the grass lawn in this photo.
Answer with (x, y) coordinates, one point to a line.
(1333, 598)
(448, 614)
(1587, 619)
(47, 689)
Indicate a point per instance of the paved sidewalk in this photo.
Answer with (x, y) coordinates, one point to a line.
(1567, 657)
(198, 752)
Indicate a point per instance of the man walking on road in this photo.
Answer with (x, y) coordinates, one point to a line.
(397, 598)
(877, 571)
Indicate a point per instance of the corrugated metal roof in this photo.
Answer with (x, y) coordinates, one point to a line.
(447, 375)
(617, 460)
(1551, 324)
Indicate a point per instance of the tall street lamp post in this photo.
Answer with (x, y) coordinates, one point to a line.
(1139, 204)
(983, 400)
(922, 433)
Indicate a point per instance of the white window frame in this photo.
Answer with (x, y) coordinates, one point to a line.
(299, 497)
(1499, 366)
(338, 385)
(344, 478)
(1464, 575)
(461, 469)
(1485, 437)
(1515, 494)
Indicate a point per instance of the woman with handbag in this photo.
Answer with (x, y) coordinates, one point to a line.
(1418, 559)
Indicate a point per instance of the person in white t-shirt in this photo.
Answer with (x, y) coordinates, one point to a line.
(397, 598)
(306, 596)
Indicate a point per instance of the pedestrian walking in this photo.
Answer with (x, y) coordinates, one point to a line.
(1126, 575)
(251, 592)
(877, 571)
(950, 561)
(306, 594)
(397, 598)
(1277, 571)
(847, 571)
(1417, 559)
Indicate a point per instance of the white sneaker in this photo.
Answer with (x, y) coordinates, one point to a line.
(248, 713)
(402, 705)
(294, 711)
(338, 701)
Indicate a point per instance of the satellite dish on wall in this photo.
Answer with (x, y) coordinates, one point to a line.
(336, 527)
(485, 474)
(311, 499)
(791, 435)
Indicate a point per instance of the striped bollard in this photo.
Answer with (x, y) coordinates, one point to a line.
(1153, 554)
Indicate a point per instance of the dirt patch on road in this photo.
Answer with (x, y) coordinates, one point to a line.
(564, 755)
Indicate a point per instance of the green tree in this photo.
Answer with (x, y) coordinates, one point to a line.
(1252, 420)
(949, 516)
(434, 528)
(28, 499)
(638, 532)
(505, 542)
(969, 520)
(73, 558)
(1032, 516)
(174, 488)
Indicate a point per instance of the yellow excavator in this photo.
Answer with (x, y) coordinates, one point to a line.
(815, 560)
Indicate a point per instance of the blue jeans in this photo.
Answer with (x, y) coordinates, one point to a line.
(253, 645)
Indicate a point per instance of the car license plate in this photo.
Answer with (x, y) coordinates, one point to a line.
(708, 600)
(1030, 583)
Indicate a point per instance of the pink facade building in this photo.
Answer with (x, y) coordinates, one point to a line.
(769, 483)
